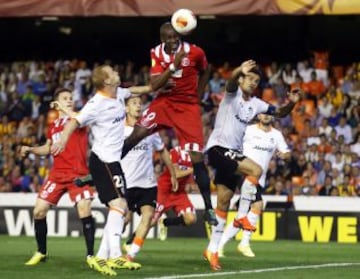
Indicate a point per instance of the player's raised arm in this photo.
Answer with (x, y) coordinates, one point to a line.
(233, 83)
(294, 97)
(37, 150)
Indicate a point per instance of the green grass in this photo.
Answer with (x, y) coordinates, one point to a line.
(182, 256)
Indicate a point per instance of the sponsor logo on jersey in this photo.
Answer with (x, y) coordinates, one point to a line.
(262, 148)
(118, 119)
(141, 147)
(245, 121)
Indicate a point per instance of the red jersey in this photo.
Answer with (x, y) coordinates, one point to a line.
(183, 160)
(185, 80)
(73, 159)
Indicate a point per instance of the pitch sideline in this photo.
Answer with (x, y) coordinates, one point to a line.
(217, 274)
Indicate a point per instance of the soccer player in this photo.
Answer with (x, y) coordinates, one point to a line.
(138, 167)
(225, 145)
(179, 73)
(67, 166)
(105, 114)
(177, 200)
(260, 143)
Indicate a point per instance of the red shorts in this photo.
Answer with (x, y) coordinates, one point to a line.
(184, 118)
(53, 189)
(179, 202)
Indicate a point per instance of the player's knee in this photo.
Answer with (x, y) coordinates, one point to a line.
(256, 171)
(39, 213)
(118, 203)
(84, 208)
(189, 219)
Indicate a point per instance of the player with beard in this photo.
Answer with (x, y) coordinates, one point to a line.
(225, 146)
(260, 143)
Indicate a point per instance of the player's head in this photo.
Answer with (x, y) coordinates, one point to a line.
(250, 81)
(169, 37)
(105, 76)
(133, 106)
(65, 97)
(265, 119)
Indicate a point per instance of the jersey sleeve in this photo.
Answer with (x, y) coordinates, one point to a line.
(202, 62)
(157, 142)
(87, 114)
(156, 68)
(282, 146)
(122, 94)
(263, 107)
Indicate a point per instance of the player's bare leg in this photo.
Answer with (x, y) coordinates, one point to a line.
(142, 230)
(202, 179)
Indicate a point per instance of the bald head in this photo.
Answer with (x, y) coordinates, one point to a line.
(164, 29)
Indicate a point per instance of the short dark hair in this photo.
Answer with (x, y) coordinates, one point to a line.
(61, 90)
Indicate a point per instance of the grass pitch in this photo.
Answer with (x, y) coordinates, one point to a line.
(182, 258)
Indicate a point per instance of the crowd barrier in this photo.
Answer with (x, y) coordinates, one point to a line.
(309, 219)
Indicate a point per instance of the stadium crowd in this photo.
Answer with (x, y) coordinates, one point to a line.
(323, 130)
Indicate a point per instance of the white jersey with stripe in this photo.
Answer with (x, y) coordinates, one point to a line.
(260, 146)
(105, 117)
(233, 117)
(138, 164)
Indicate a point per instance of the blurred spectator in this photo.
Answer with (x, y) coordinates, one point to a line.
(344, 129)
(325, 107)
(326, 189)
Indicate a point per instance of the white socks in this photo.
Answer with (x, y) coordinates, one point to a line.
(217, 232)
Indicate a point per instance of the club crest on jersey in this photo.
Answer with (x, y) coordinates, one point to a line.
(185, 62)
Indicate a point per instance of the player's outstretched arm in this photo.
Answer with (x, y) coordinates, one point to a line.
(165, 156)
(232, 84)
(57, 105)
(294, 97)
(59, 146)
(138, 90)
(37, 150)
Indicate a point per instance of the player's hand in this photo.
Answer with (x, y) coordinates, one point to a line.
(57, 148)
(24, 151)
(56, 105)
(247, 66)
(178, 58)
(294, 95)
(174, 183)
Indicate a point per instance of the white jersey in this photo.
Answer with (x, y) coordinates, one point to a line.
(138, 164)
(232, 119)
(105, 116)
(260, 146)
